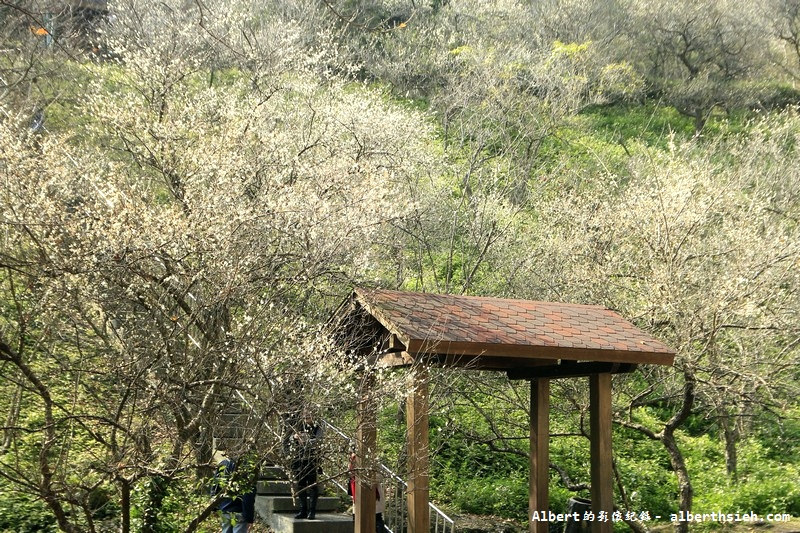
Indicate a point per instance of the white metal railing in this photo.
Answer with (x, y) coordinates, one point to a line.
(395, 493)
(448, 526)
(395, 509)
(395, 512)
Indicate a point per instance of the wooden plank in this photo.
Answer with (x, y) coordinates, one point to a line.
(418, 458)
(366, 446)
(538, 495)
(600, 424)
(476, 362)
(395, 344)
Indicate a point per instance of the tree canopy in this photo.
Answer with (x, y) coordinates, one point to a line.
(190, 188)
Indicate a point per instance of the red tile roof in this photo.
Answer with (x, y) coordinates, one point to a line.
(480, 326)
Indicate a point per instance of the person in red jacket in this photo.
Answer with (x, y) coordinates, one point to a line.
(380, 527)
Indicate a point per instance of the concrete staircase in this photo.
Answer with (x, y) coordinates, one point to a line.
(275, 507)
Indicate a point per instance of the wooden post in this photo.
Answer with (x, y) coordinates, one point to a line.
(366, 445)
(538, 498)
(418, 460)
(602, 481)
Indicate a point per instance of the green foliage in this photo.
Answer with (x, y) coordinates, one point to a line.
(559, 496)
(392, 434)
(780, 436)
(765, 484)
(102, 503)
(619, 82)
(22, 513)
(578, 159)
(652, 123)
(473, 478)
(501, 496)
(168, 505)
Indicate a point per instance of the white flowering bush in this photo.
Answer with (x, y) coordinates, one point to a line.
(162, 258)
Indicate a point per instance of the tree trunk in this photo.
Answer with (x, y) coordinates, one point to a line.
(11, 419)
(700, 117)
(205, 453)
(685, 490)
(125, 506)
(48, 439)
(731, 435)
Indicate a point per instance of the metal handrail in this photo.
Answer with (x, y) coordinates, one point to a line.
(395, 506)
(396, 512)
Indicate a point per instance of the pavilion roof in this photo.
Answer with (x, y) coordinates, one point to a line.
(505, 333)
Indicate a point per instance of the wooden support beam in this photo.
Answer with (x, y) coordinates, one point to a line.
(418, 458)
(601, 458)
(395, 344)
(570, 369)
(366, 446)
(538, 496)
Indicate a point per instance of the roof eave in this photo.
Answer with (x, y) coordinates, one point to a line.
(434, 346)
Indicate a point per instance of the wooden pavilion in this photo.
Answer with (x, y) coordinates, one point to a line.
(535, 341)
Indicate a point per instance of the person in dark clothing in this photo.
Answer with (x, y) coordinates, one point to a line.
(237, 506)
(304, 444)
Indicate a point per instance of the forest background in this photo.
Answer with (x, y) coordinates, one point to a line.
(191, 187)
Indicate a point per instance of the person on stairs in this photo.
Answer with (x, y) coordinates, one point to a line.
(380, 497)
(235, 480)
(380, 507)
(304, 446)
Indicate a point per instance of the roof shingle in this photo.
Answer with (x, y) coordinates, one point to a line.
(484, 326)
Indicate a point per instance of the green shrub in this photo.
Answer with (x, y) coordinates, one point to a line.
(507, 497)
(773, 495)
(23, 513)
(765, 483)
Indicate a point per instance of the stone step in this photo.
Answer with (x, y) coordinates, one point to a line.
(276, 509)
(275, 487)
(273, 473)
(284, 504)
(324, 523)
